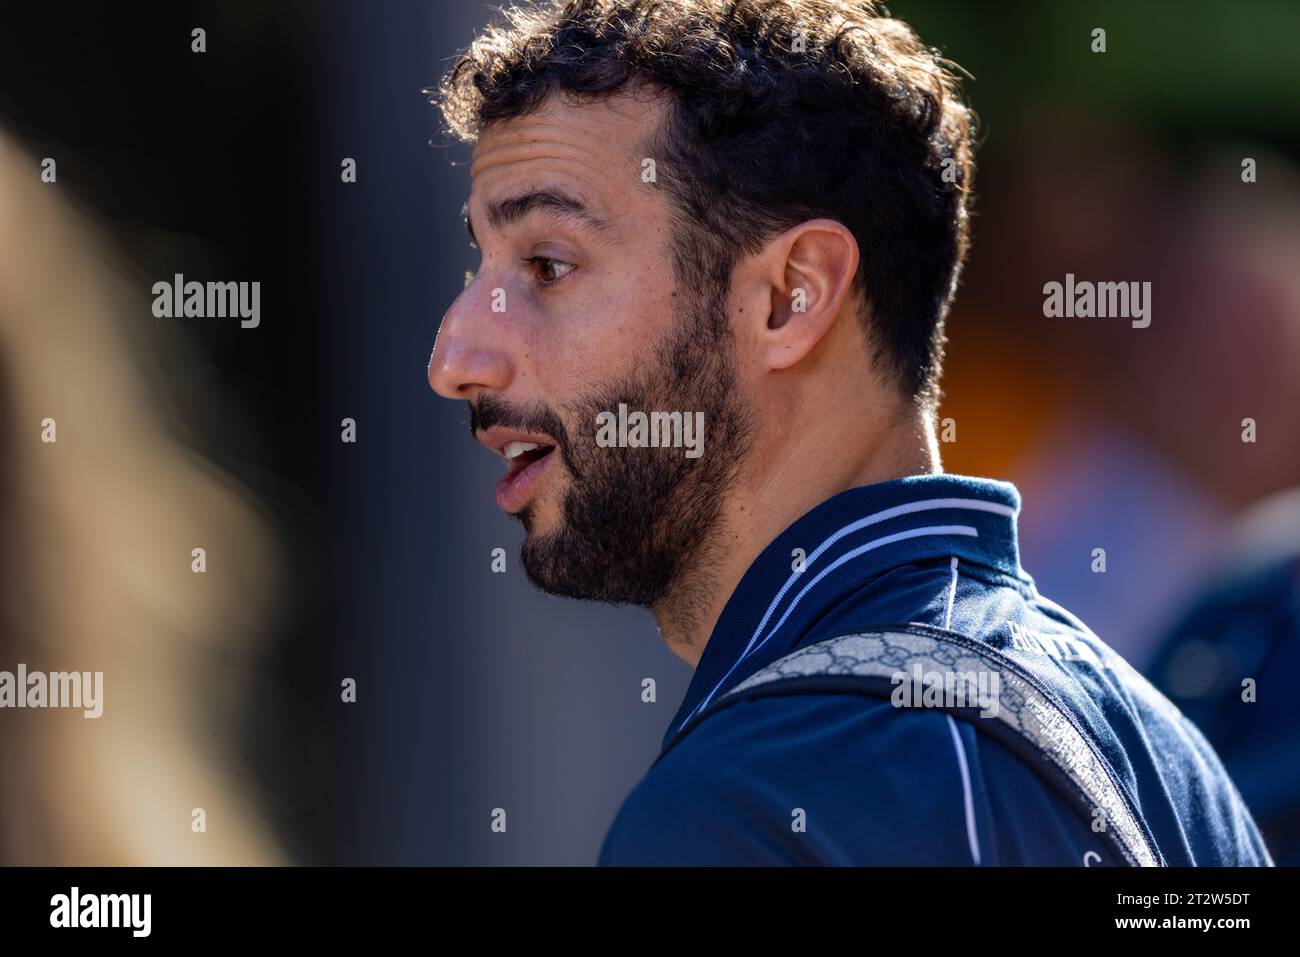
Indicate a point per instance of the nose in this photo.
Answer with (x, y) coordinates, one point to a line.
(468, 352)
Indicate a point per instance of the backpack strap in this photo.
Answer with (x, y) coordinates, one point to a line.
(1015, 708)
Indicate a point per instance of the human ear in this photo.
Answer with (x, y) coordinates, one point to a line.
(809, 269)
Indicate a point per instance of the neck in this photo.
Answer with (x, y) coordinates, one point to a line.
(782, 487)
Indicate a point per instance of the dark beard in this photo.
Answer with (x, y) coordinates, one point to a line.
(634, 520)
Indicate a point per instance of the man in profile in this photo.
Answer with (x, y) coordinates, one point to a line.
(754, 214)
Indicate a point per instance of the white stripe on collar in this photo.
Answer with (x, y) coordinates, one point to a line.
(972, 504)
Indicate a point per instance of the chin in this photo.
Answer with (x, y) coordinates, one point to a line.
(537, 520)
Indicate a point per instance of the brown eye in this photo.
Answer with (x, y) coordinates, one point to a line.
(549, 270)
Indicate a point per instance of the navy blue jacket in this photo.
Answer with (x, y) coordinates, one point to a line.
(886, 686)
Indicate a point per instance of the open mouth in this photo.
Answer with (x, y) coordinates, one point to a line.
(519, 455)
(525, 462)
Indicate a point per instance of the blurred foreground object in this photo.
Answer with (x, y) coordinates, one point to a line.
(97, 530)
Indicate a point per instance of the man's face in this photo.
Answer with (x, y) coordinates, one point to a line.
(574, 311)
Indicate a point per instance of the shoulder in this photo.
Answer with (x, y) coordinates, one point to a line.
(801, 779)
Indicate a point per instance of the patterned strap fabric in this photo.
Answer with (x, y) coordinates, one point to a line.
(1013, 707)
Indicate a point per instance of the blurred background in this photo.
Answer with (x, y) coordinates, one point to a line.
(372, 560)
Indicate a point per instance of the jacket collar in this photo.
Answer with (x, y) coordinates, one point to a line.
(854, 536)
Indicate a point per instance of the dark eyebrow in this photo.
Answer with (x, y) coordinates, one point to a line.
(503, 212)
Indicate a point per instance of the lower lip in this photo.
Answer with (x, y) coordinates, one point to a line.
(513, 489)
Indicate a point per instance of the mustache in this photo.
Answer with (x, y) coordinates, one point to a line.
(490, 410)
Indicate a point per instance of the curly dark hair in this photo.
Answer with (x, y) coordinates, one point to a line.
(782, 111)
